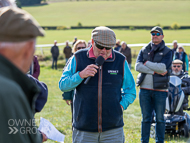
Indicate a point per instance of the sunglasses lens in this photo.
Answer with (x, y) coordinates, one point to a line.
(101, 47)
(108, 48)
(80, 48)
(157, 34)
(176, 66)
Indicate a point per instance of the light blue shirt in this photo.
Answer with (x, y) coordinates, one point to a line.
(70, 79)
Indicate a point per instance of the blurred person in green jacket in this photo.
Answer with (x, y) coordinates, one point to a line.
(18, 32)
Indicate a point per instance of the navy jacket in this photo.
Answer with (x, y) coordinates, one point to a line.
(162, 54)
(97, 104)
(42, 96)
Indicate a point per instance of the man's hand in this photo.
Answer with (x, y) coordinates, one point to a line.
(162, 73)
(90, 70)
(44, 137)
(145, 63)
(68, 102)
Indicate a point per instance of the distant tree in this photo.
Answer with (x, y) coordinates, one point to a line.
(175, 26)
(132, 28)
(79, 24)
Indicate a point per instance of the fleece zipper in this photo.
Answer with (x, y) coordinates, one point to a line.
(100, 100)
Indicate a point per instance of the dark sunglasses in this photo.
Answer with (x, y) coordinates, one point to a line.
(101, 47)
(157, 34)
(81, 48)
(176, 66)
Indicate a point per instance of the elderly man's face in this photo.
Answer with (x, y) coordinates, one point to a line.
(176, 69)
(156, 39)
(101, 52)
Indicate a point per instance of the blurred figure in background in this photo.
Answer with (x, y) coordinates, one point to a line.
(18, 32)
(181, 55)
(42, 96)
(80, 44)
(177, 71)
(55, 54)
(35, 68)
(174, 47)
(125, 50)
(117, 46)
(89, 43)
(75, 40)
(67, 51)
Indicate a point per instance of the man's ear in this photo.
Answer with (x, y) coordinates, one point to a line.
(29, 49)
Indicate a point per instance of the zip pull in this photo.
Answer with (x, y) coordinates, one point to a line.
(100, 67)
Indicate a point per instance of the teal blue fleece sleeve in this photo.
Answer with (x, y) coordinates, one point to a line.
(187, 63)
(128, 88)
(69, 79)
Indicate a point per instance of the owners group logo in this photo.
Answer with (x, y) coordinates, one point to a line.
(113, 72)
(23, 126)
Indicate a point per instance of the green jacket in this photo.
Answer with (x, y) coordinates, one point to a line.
(17, 101)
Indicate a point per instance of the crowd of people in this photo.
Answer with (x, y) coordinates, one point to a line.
(68, 50)
(97, 105)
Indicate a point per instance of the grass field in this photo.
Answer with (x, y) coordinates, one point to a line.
(95, 13)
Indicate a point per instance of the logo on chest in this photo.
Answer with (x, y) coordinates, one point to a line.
(113, 72)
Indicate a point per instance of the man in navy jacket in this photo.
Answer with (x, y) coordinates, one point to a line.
(153, 64)
(99, 104)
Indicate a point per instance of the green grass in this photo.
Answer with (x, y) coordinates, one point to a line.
(97, 13)
(59, 113)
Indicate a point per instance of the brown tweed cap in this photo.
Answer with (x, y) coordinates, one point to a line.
(16, 25)
(104, 36)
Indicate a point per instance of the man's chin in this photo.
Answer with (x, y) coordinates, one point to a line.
(176, 73)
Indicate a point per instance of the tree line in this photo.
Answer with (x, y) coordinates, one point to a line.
(21, 3)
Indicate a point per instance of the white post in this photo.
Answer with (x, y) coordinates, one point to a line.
(41, 50)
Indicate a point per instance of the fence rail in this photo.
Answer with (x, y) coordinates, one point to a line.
(47, 46)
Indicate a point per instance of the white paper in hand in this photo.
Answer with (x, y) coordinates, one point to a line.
(50, 131)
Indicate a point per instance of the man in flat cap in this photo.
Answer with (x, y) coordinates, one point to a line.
(18, 32)
(153, 64)
(177, 66)
(99, 104)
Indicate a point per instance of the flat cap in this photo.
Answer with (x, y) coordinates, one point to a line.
(158, 29)
(104, 36)
(16, 25)
(177, 62)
